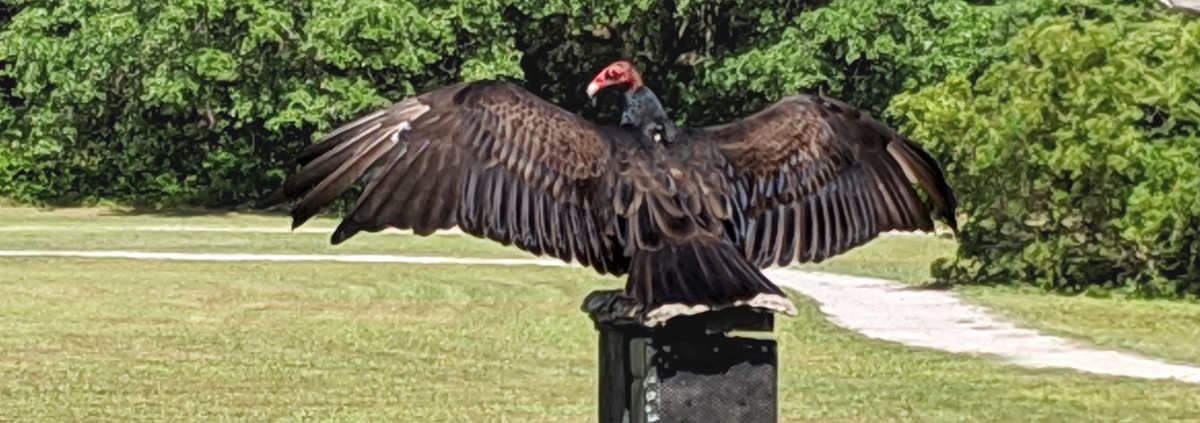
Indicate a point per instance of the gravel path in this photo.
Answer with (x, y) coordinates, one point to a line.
(888, 310)
(876, 308)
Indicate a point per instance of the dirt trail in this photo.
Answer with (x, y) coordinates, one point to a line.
(888, 310)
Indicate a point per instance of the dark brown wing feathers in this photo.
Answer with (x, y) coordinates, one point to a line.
(814, 177)
(804, 179)
(489, 157)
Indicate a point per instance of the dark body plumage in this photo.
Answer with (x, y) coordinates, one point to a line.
(689, 214)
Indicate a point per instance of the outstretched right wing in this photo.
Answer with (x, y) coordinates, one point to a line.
(489, 157)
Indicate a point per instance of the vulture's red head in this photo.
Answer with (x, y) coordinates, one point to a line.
(618, 74)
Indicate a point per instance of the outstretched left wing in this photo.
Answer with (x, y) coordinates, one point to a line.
(813, 177)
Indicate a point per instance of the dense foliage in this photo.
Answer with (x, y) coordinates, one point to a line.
(202, 101)
(1076, 154)
(1068, 127)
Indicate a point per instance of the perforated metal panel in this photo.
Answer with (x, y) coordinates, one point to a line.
(714, 379)
(686, 375)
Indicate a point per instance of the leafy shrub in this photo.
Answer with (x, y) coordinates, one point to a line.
(1076, 155)
(204, 101)
(866, 51)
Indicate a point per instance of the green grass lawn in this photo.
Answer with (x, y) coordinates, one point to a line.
(1159, 328)
(129, 341)
(904, 258)
(99, 229)
(125, 340)
(255, 242)
(99, 216)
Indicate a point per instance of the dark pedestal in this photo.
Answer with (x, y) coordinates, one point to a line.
(688, 370)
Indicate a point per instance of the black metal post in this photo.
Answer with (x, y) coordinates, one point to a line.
(688, 370)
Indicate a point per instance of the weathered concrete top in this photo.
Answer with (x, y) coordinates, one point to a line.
(613, 309)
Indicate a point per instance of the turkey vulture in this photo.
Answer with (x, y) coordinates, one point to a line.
(689, 214)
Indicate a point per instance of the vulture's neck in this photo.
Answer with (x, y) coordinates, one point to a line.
(644, 112)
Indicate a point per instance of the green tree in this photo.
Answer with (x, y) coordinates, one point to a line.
(1076, 155)
(204, 101)
(865, 51)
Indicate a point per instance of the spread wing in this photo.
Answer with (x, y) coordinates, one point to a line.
(813, 177)
(489, 157)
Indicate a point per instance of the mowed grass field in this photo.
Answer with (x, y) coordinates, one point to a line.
(116, 340)
(97, 229)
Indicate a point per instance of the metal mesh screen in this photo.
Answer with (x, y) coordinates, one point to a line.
(710, 379)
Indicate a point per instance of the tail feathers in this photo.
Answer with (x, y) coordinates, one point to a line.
(709, 273)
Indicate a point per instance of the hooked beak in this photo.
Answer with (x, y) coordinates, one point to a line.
(593, 88)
